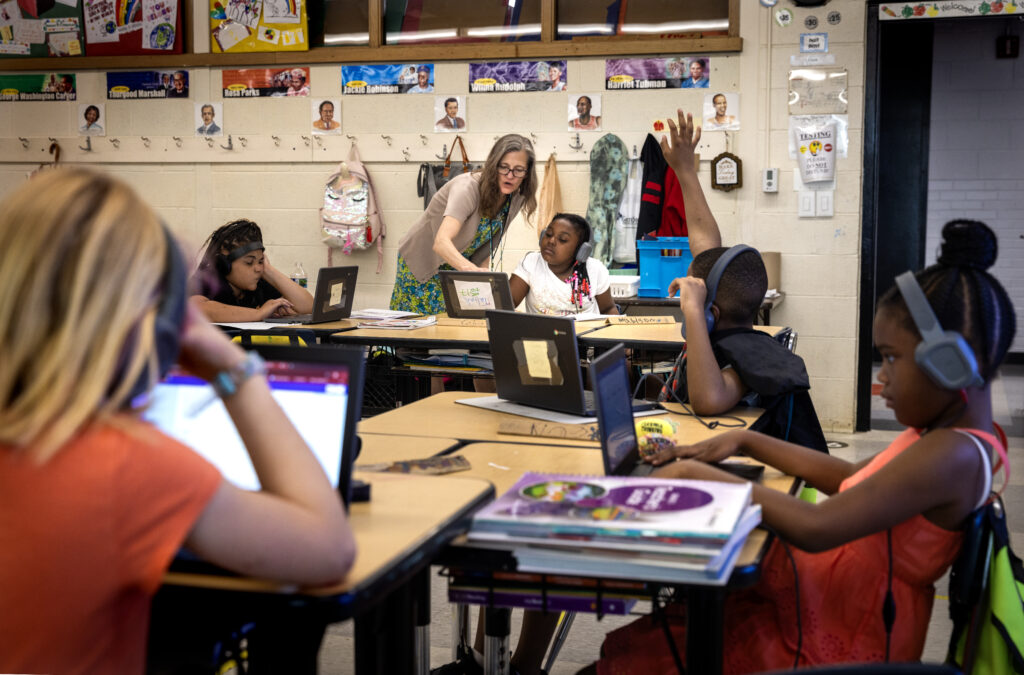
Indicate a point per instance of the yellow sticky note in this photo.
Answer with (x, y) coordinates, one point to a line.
(337, 291)
(537, 363)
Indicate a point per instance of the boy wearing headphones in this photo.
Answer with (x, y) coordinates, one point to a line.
(235, 281)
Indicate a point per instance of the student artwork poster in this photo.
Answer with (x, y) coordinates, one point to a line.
(503, 76)
(677, 72)
(38, 87)
(40, 28)
(390, 78)
(263, 82)
(721, 111)
(326, 116)
(147, 84)
(258, 25)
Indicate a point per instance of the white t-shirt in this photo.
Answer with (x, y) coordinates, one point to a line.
(551, 295)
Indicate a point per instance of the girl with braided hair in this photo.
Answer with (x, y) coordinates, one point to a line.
(894, 522)
(561, 278)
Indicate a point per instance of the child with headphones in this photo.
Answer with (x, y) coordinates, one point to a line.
(561, 278)
(893, 523)
(235, 281)
(726, 361)
(94, 502)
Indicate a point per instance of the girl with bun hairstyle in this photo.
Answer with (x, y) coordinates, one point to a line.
(94, 502)
(920, 491)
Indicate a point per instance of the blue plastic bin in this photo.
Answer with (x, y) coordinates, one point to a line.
(657, 270)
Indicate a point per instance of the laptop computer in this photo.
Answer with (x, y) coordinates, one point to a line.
(467, 295)
(332, 299)
(620, 448)
(319, 388)
(537, 363)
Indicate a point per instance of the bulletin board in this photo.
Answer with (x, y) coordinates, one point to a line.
(258, 26)
(40, 28)
(125, 27)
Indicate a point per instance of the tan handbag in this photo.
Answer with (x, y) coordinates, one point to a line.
(550, 201)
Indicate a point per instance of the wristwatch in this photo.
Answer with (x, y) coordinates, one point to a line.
(227, 382)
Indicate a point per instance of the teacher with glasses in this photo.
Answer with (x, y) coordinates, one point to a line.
(464, 225)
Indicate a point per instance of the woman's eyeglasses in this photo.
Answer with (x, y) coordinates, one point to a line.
(505, 169)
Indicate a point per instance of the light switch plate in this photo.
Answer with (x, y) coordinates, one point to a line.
(825, 205)
(805, 204)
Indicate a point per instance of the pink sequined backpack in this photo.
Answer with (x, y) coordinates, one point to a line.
(349, 219)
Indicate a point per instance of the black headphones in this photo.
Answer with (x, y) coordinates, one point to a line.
(943, 355)
(585, 247)
(714, 278)
(170, 315)
(223, 262)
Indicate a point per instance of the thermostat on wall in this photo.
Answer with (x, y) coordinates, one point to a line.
(770, 180)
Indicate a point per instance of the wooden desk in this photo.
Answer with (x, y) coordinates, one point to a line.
(503, 464)
(662, 336)
(439, 416)
(428, 337)
(380, 448)
(396, 538)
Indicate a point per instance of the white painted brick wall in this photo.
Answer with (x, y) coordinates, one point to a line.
(820, 257)
(976, 149)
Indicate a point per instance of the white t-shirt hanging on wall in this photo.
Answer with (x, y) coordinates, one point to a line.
(551, 295)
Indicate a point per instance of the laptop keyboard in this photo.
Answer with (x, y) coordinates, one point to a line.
(590, 407)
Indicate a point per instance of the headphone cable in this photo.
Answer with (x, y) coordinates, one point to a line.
(713, 424)
(796, 586)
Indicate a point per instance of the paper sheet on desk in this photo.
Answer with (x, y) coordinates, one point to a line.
(256, 325)
(501, 405)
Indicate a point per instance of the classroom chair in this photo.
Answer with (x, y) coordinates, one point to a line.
(295, 337)
(787, 338)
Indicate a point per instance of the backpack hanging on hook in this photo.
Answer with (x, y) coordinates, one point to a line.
(350, 219)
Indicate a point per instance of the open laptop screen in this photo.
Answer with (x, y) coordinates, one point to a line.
(467, 295)
(613, 401)
(316, 394)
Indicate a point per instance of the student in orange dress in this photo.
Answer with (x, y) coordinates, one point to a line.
(94, 502)
(920, 490)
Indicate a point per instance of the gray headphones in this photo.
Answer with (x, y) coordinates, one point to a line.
(714, 278)
(943, 355)
(585, 248)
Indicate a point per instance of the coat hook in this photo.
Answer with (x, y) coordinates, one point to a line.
(51, 139)
(578, 145)
(319, 141)
(243, 140)
(88, 144)
(444, 152)
(24, 141)
(145, 140)
(635, 154)
(230, 145)
(423, 139)
(533, 137)
(116, 142)
(306, 140)
(387, 139)
(177, 140)
(277, 140)
(406, 153)
(350, 137)
(209, 141)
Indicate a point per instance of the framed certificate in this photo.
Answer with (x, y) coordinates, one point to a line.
(726, 172)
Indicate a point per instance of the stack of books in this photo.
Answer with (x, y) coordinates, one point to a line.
(621, 527)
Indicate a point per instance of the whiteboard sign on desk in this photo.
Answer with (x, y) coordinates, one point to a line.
(474, 295)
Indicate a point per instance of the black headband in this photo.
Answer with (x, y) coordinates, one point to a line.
(245, 248)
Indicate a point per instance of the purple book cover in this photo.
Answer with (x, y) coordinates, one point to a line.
(556, 601)
(541, 504)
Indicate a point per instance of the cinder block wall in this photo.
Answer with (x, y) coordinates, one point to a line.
(280, 184)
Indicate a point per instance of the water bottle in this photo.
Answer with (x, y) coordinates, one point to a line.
(299, 275)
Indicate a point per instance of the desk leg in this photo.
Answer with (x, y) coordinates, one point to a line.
(384, 634)
(704, 622)
(497, 626)
(421, 639)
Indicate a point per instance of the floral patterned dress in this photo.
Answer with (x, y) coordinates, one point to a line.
(411, 295)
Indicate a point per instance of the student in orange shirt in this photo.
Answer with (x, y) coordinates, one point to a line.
(94, 502)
